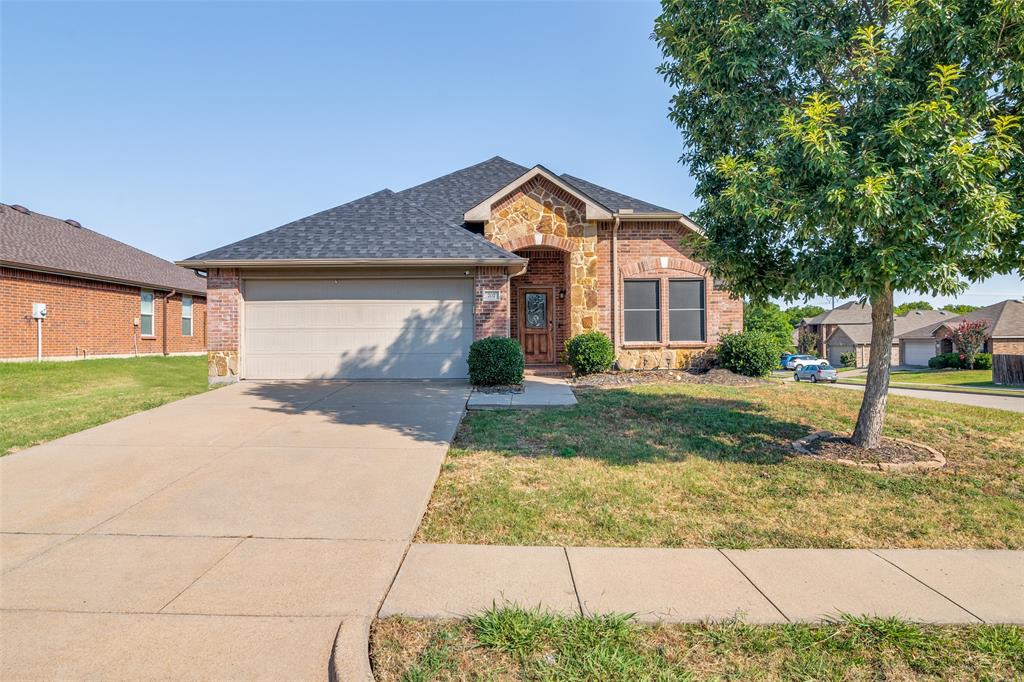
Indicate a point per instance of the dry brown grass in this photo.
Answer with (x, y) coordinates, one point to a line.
(709, 466)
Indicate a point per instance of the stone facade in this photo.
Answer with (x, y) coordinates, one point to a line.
(539, 219)
(224, 303)
(540, 214)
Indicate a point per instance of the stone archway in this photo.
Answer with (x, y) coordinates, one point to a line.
(539, 214)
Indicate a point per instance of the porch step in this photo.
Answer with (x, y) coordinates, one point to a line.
(560, 371)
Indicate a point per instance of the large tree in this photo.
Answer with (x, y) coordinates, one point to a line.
(904, 308)
(769, 318)
(852, 148)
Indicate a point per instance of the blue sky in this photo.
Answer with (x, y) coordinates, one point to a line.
(182, 126)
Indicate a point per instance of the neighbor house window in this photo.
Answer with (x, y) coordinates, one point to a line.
(146, 313)
(186, 316)
(686, 310)
(641, 311)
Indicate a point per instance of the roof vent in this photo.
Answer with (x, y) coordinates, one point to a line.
(20, 209)
(73, 223)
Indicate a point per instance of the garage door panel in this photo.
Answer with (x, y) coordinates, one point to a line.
(429, 290)
(918, 353)
(291, 341)
(373, 315)
(835, 354)
(357, 366)
(395, 329)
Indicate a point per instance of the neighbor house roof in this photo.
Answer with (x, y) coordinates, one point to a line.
(847, 313)
(860, 334)
(34, 241)
(425, 222)
(1005, 321)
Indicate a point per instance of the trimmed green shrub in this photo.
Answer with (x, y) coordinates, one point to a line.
(948, 361)
(753, 354)
(496, 361)
(589, 353)
(983, 361)
(848, 359)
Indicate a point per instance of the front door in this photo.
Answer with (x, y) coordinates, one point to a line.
(537, 325)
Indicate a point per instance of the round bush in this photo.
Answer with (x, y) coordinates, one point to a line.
(848, 359)
(753, 354)
(496, 361)
(983, 361)
(589, 352)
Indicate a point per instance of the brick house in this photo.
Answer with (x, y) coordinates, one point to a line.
(102, 297)
(1005, 325)
(399, 284)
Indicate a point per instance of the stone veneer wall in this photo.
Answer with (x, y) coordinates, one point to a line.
(224, 305)
(540, 214)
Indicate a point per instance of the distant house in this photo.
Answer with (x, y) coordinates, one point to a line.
(102, 297)
(855, 318)
(1005, 322)
(856, 338)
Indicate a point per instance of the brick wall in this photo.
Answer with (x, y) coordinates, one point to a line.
(490, 318)
(547, 268)
(87, 318)
(1008, 346)
(224, 300)
(652, 250)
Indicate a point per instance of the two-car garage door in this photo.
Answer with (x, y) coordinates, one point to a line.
(357, 328)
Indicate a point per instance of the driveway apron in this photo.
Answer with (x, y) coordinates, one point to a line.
(238, 534)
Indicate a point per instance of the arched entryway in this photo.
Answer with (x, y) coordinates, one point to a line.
(539, 310)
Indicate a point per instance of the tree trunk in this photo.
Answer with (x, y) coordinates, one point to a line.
(868, 432)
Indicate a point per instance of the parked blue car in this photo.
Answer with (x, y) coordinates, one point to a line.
(816, 373)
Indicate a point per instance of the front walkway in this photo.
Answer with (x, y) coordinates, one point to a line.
(539, 392)
(237, 534)
(691, 585)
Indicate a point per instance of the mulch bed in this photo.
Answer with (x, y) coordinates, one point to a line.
(663, 376)
(893, 454)
(501, 388)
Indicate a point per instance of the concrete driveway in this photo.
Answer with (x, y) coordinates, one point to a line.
(232, 535)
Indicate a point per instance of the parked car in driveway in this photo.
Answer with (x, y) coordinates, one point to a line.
(816, 373)
(798, 361)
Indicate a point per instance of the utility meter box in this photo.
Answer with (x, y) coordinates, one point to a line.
(38, 311)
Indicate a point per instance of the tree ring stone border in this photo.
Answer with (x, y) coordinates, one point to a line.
(937, 460)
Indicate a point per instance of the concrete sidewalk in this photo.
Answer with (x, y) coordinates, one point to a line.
(692, 585)
(538, 392)
(996, 402)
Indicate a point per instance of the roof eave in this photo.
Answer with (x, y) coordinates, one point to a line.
(101, 278)
(206, 264)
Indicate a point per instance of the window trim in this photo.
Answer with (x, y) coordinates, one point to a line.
(703, 309)
(664, 318)
(151, 314)
(189, 317)
(659, 298)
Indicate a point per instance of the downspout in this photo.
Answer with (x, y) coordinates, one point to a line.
(615, 287)
(167, 298)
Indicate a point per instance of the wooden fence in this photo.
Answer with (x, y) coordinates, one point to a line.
(1008, 369)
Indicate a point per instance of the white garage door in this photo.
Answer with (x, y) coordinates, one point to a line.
(918, 352)
(835, 354)
(357, 328)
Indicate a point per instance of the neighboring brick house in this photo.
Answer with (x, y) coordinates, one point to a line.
(102, 297)
(856, 338)
(399, 284)
(1005, 323)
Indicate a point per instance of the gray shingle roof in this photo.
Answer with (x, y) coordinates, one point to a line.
(847, 313)
(41, 242)
(616, 201)
(381, 225)
(1005, 320)
(421, 222)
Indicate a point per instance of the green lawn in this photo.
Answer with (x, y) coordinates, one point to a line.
(977, 378)
(709, 466)
(40, 401)
(512, 644)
